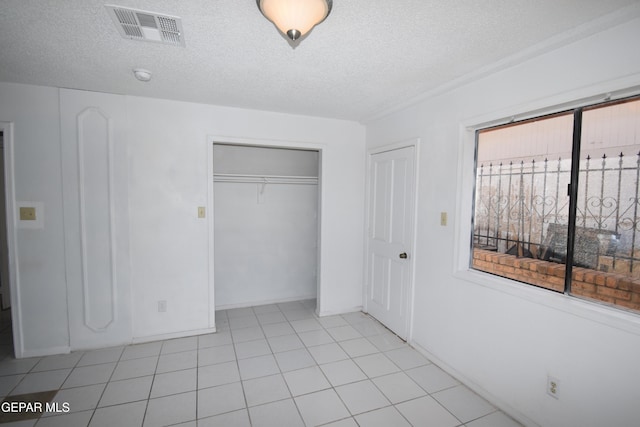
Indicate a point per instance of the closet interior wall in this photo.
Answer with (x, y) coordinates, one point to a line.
(265, 224)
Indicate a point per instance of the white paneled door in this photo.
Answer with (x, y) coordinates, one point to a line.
(94, 163)
(390, 237)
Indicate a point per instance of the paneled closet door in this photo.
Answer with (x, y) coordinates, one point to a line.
(94, 166)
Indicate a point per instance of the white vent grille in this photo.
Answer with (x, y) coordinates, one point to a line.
(147, 26)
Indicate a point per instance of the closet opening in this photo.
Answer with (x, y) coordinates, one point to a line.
(266, 224)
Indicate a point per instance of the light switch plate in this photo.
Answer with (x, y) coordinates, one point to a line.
(443, 218)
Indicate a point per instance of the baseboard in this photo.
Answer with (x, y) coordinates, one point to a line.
(337, 312)
(182, 334)
(494, 400)
(263, 302)
(45, 352)
(138, 340)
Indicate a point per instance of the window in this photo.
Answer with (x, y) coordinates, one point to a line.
(557, 202)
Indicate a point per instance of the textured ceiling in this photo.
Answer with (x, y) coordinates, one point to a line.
(368, 57)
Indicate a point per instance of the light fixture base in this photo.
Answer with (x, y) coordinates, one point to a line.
(293, 34)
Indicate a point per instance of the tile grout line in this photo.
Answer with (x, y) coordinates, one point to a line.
(197, 370)
(384, 351)
(105, 386)
(293, 398)
(155, 371)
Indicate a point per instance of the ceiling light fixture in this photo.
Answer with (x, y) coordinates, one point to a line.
(295, 18)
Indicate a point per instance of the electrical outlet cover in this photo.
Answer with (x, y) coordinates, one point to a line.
(27, 213)
(162, 306)
(34, 212)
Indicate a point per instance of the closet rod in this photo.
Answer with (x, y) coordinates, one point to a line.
(265, 179)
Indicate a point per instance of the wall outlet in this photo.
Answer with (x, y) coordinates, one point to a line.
(27, 213)
(162, 306)
(553, 387)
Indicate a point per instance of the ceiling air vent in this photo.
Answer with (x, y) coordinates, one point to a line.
(146, 26)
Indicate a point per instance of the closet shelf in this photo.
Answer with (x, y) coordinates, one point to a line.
(265, 179)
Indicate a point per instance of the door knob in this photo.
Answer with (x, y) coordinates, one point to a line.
(403, 255)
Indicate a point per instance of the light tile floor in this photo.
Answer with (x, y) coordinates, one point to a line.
(271, 365)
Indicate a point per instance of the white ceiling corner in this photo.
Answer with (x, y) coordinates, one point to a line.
(367, 58)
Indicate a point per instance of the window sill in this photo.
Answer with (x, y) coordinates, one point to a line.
(592, 311)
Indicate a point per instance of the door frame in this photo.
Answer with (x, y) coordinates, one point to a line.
(12, 238)
(408, 303)
(265, 143)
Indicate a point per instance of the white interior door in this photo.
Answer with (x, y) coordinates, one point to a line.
(390, 237)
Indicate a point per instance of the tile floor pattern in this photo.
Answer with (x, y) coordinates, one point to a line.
(271, 365)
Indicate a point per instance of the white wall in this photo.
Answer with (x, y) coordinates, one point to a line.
(265, 252)
(40, 251)
(504, 338)
(168, 180)
(250, 160)
(167, 145)
(94, 141)
(265, 234)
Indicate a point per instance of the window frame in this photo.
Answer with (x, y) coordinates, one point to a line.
(564, 302)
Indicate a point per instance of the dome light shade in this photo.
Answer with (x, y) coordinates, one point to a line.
(295, 18)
